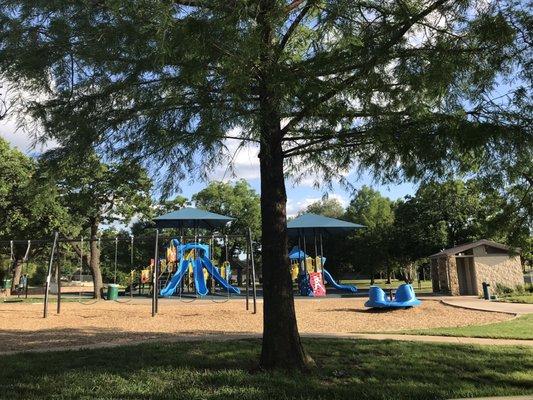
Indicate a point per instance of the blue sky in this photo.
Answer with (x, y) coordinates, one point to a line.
(246, 165)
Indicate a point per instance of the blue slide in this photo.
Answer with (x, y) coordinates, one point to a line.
(332, 282)
(169, 290)
(217, 277)
(199, 279)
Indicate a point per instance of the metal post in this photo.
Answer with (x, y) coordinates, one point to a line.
(49, 274)
(305, 253)
(154, 274)
(116, 256)
(248, 248)
(58, 272)
(254, 289)
(316, 251)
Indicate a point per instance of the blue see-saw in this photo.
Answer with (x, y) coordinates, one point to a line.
(405, 297)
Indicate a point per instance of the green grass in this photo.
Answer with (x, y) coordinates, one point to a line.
(518, 298)
(52, 299)
(425, 286)
(518, 328)
(225, 370)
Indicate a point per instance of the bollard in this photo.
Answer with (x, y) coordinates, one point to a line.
(486, 292)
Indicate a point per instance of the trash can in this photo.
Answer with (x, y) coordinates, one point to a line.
(6, 284)
(112, 291)
(486, 292)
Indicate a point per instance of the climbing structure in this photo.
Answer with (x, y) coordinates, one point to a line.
(191, 260)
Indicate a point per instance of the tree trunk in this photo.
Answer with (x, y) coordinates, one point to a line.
(282, 347)
(17, 273)
(94, 262)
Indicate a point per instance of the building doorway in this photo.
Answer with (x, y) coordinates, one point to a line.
(467, 275)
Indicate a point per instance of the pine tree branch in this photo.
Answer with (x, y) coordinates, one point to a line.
(351, 133)
(294, 4)
(294, 25)
(366, 67)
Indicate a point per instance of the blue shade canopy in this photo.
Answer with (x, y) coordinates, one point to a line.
(310, 224)
(297, 254)
(192, 218)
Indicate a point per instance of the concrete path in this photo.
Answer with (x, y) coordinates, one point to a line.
(485, 305)
(426, 338)
(501, 398)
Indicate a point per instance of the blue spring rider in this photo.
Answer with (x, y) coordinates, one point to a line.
(405, 297)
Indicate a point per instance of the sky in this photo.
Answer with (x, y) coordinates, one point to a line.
(246, 166)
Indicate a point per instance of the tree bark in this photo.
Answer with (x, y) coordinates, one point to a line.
(282, 347)
(94, 262)
(17, 273)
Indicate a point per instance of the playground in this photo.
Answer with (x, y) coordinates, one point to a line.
(105, 323)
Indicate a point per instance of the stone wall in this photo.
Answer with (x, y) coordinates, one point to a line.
(443, 274)
(435, 275)
(454, 278)
(508, 273)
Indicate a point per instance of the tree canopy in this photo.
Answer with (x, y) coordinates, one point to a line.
(405, 89)
(328, 207)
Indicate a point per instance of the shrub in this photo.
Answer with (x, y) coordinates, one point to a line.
(502, 289)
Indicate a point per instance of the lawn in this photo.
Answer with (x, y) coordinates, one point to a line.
(518, 328)
(225, 370)
(425, 286)
(518, 298)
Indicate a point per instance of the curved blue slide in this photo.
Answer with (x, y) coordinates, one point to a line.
(332, 282)
(199, 279)
(217, 277)
(169, 290)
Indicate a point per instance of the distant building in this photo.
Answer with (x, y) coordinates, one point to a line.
(462, 269)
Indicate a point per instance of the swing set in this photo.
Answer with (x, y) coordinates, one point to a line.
(184, 218)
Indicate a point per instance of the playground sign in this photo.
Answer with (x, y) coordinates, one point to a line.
(317, 285)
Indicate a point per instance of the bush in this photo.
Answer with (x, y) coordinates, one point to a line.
(502, 289)
(39, 276)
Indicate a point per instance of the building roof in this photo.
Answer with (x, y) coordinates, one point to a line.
(192, 218)
(468, 246)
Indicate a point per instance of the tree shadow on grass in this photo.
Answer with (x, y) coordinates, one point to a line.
(214, 370)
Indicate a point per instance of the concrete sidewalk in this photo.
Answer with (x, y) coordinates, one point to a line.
(425, 338)
(501, 398)
(475, 303)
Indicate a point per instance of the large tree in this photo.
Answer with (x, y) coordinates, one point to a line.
(97, 193)
(30, 206)
(239, 201)
(403, 88)
(370, 248)
(328, 207)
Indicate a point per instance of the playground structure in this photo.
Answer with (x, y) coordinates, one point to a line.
(189, 265)
(194, 252)
(310, 273)
(304, 268)
(404, 298)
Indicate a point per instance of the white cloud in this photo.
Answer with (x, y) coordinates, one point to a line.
(243, 162)
(12, 126)
(295, 206)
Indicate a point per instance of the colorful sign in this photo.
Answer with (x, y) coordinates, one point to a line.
(317, 284)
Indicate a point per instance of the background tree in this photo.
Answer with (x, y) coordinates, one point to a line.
(30, 206)
(369, 249)
(331, 208)
(97, 193)
(239, 201)
(403, 88)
